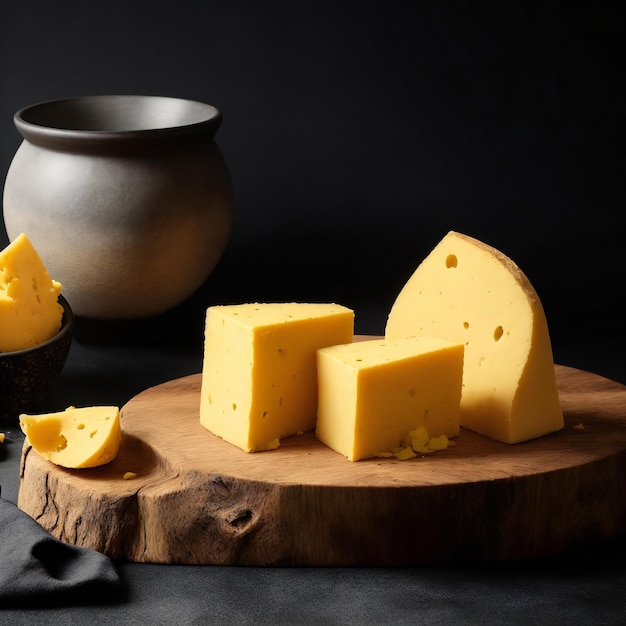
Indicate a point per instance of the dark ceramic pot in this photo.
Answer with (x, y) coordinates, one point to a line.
(127, 199)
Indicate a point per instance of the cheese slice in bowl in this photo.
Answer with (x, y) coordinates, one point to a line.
(77, 437)
(468, 292)
(29, 309)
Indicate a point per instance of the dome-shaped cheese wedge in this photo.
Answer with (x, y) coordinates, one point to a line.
(466, 291)
(29, 309)
(75, 438)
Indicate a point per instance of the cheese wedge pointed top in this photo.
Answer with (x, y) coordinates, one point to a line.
(467, 291)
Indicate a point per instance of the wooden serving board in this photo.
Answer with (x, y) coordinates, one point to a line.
(199, 500)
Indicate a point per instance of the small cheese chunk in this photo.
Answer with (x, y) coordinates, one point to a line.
(374, 394)
(29, 309)
(75, 438)
(469, 292)
(259, 382)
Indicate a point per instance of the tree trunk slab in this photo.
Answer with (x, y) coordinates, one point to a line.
(197, 499)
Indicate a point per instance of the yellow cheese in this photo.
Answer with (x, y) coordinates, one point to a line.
(76, 438)
(469, 292)
(259, 382)
(372, 395)
(29, 310)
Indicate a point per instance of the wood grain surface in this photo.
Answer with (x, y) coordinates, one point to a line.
(199, 500)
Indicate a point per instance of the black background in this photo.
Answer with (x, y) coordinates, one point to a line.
(358, 133)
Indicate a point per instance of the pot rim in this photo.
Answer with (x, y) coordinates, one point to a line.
(115, 119)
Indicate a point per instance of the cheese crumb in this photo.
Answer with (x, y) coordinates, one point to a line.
(129, 475)
(438, 443)
(418, 442)
(418, 438)
(404, 453)
(579, 426)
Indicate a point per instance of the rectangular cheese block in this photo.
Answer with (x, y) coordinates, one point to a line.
(259, 380)
(372, 394)
(29, 309)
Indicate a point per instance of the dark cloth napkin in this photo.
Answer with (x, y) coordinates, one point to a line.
(37, 569)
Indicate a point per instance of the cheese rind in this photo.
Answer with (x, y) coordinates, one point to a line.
(29, 309)
(259, 381)
(77, 437)
(467, 291)
(374, 394)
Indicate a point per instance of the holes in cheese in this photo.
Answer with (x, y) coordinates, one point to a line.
(486, 302)
(451, 261)
(389, 397)
(77, 437)
(259, 381)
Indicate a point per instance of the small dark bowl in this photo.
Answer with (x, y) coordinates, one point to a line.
(26, 376)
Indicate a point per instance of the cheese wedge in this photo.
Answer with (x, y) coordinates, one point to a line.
(29, 309)
(77, 437)
(259, 380)
(374, 394)
(468, 292)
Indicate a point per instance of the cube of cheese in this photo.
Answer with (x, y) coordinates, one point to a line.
(373, 394)
(468, 292)
(259, 381)
(29, 309)
(77, 437)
